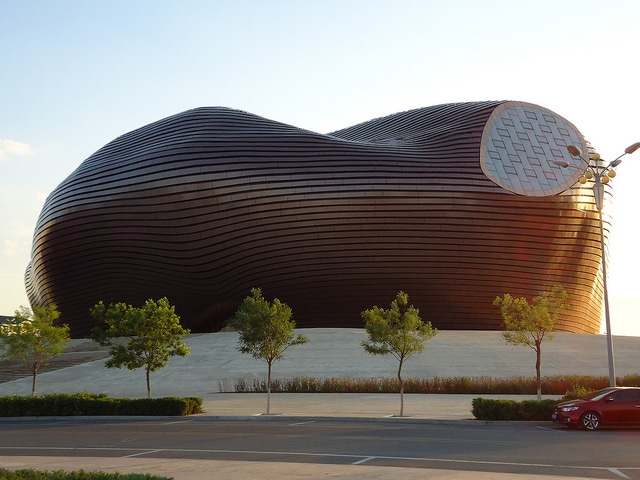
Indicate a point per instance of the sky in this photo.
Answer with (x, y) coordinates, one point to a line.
(76, 74)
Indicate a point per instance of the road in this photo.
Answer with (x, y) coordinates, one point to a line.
(507, 448)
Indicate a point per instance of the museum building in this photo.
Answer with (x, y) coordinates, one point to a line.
(454, 204)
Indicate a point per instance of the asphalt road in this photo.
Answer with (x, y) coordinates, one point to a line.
(501, 448)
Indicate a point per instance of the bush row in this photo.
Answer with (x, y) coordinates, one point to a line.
(77, 475)
(62, 404)
(556, 385)
(527, 410)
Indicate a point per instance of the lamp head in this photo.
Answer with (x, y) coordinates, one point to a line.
(576, 152)
(615, 163)
(632, 148)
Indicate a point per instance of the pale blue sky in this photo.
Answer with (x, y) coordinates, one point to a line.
(76, 74)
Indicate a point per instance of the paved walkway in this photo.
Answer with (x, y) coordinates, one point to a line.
(351, 405)
(238, 470)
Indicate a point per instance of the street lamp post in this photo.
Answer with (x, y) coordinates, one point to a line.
(600, 174)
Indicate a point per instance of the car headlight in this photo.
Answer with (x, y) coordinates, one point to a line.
(568, 409)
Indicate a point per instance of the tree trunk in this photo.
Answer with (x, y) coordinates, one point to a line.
(148, 384)
(35, 367)
(538, 380)
(401, 383)
(269, 389)
(33, 383)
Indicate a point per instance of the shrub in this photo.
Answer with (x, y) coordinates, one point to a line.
(631, 380)
(527, 410)
(63, 404)
(577, 391)
(485, 409)
(536, 411)
(168, 406)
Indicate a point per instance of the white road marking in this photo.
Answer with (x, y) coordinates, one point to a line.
(361, 458)
(364, 460)
(147, 452)
(618, 472)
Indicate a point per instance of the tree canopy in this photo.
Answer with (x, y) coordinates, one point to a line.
(33, 338)
(145, 337)
(531, 323)
(266, 331)
(397, 331)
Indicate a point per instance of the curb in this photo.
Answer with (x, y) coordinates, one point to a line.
(277, 417)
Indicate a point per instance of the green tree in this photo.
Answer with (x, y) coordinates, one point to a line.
(33, 338)
(140, 337)
(266, 331)
(531, 323)
(398, 331)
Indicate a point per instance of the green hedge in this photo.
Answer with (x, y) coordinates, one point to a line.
(77, 475)
(63, 404)
(527, 410)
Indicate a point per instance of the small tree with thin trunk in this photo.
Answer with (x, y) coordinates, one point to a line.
(33, 338)
(532, 323)
(266, 331)
(145, 337)
(398, 331)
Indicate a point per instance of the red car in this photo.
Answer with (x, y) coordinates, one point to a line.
(607, 407)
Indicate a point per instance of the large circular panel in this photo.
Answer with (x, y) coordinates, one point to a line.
(522, 147)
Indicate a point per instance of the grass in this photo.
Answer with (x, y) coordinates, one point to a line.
(31, 474)
(556, 385)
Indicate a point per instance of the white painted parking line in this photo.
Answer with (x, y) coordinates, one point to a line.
(141, 453)
(618, 472)
(364, 460)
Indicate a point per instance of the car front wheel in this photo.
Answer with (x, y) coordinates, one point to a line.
(590, 421)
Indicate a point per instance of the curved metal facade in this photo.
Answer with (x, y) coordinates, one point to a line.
(454, 204)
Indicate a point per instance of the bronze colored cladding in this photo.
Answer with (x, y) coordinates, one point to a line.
(204, 205)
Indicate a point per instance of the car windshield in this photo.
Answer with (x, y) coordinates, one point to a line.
(599, 394)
